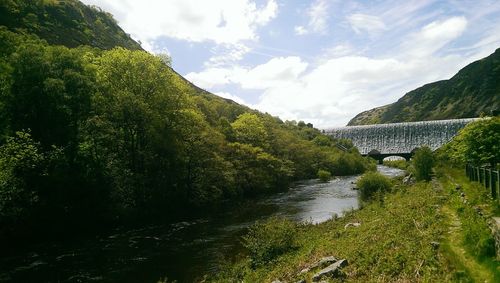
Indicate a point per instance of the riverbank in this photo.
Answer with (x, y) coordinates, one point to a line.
(421, 232)
(183, 250)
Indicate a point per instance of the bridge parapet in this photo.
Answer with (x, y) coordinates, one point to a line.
(400, 138)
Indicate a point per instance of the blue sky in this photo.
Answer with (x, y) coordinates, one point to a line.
(320, 61)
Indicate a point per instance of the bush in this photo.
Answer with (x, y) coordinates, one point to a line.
(372, 184)
(423, 161)
(265, 241)
(324, 175)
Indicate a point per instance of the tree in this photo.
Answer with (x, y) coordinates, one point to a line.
(20, 170)
(479, 142)
(207, 176)
(322, 140)
(139, 97)
(250, 129)
(257, 170)
(50, 86)
(165, 58)
(135, 126)
(423, 161)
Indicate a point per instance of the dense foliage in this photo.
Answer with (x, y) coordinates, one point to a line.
(473, 91)
(478, 143)
(372, 185)
(422, 163)
(88, 134)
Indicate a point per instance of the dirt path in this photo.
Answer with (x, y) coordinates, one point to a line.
(474, 271)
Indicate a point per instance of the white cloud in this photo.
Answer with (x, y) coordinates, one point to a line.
(274, 73)
(220, 21)
(318, 19)
(434, 36)
(318, 14)
(234, 98)
(213, 77)
(336, 90)
(367, 23)
(227, 54)
(342, 85)
(337, 51)
(300, 30)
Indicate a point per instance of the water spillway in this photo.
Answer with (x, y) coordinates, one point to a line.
(400, 138)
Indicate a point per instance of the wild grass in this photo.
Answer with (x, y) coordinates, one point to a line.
(400, 164)
(393, 243)
(470, 244)
(419, 233)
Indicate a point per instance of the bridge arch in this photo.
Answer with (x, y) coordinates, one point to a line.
(393, 158)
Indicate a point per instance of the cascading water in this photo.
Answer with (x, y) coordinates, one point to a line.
(400, 137)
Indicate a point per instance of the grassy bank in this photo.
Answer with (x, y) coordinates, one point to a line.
(422, 232)
(400, 164)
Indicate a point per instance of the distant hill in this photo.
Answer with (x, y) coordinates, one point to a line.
(69, 23)
(472, 91)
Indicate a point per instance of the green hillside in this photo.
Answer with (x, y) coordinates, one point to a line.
(473, 91)
(65, 22)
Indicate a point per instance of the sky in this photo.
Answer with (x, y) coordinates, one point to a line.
(319, 61)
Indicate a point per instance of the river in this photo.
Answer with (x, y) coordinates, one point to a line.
(181, 251)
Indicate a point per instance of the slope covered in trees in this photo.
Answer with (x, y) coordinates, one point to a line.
(68, 22)
(472, 91)
(90, 137)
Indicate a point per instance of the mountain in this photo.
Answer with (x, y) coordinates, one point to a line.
(473, 91)
(69, 23)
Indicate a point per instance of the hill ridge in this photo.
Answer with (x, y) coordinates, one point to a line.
(472, 92)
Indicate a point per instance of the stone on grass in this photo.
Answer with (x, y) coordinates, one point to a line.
(332, 271)
(320, 263)
(354, 224)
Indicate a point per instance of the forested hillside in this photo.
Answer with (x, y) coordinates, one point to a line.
(67, 22)
(92, 137)
(473, 91)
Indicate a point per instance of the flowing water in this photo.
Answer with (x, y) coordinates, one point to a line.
(401, 137)
(181, 251)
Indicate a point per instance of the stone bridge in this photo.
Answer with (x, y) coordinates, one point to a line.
(399, 139)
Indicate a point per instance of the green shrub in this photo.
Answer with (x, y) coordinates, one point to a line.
(324, 175)
(265, 241)
(423, 161)
(372, 184)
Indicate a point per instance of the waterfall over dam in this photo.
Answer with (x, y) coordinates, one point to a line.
(400, 139)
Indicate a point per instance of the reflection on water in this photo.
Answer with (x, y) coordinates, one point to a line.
(183, 251)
